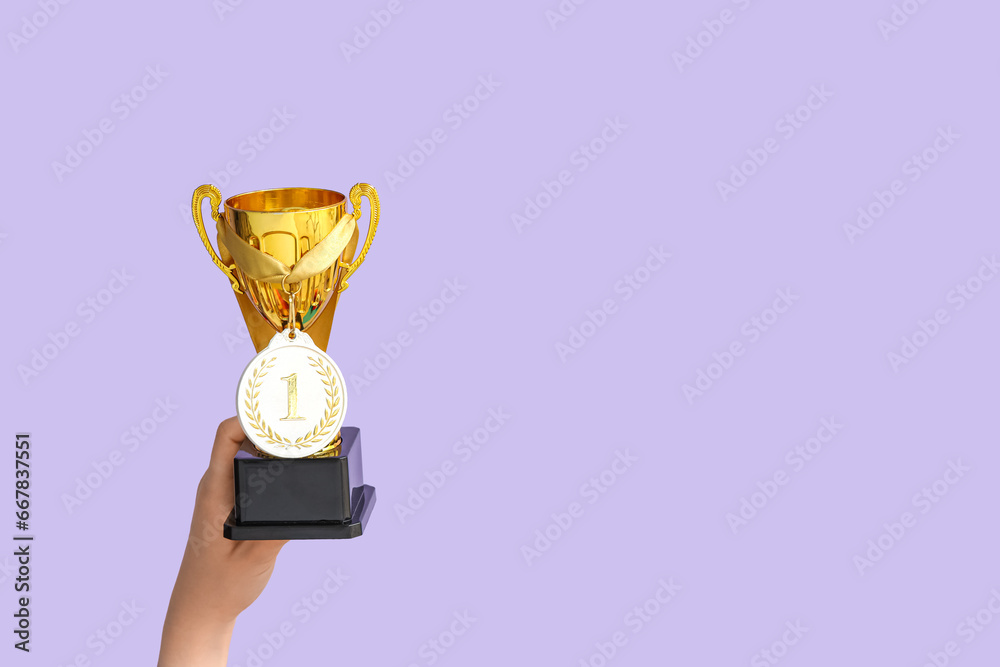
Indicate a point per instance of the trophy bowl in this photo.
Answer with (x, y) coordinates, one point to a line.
(285, 224)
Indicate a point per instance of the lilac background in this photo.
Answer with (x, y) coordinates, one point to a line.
(174, 332)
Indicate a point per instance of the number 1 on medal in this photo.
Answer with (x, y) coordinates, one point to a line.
(293, 398)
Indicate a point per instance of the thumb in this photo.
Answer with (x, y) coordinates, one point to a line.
(228, 440)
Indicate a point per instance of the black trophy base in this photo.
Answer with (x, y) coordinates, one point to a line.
(301, 499)
(304, 530)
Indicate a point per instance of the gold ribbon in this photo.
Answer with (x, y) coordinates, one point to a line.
(263, 267)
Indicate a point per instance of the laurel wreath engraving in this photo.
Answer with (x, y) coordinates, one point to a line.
(320, 431)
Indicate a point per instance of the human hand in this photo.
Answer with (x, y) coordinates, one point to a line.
(218, 578)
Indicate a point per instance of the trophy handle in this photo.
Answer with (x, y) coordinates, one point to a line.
(215, 198)
(359, 190)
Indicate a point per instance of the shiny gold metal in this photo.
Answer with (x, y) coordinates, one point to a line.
(286, 223)
(359, 190)
(215, 198)
(291, 307)
(293, 398)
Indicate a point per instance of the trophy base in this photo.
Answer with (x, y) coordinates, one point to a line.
(301, 530)
(301, 499)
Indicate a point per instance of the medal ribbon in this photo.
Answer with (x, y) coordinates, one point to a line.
(263, 267)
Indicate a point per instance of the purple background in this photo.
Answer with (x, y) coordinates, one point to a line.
(174, 332)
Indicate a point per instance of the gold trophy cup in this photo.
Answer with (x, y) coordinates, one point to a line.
(288, 254)
(286, 223)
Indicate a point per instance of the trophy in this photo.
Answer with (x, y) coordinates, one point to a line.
(288, 254)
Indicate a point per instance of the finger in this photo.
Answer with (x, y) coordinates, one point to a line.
(228, 440)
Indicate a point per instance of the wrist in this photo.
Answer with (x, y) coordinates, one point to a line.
(195, 639)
